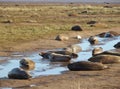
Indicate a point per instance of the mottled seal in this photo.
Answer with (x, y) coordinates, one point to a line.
(56, 57)
(63, 52)
(108, 53)
(27, 64)
(18, 73)
(105, 59)
(62, 38)
(108, 34)
(59, 58)
(73, 48)
(93, 40)
(97, 50)
(85, 65)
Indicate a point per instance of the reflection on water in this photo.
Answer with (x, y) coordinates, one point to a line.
(6, 67)
(44, 67)
(53, 71)
(5, 88)
(105, 43)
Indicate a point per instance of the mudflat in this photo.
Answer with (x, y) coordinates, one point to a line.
(32, 28)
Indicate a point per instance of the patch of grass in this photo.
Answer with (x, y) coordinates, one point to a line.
(32, 22)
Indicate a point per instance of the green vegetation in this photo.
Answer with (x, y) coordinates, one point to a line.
(22, 23)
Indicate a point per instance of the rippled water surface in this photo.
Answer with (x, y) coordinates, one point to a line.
(44, 67)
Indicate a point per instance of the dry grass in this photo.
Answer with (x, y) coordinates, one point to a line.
(24, 23)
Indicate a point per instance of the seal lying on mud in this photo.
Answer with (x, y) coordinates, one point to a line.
(73, 48)
(85, 65)
(62, 37)
(59, 58)
(108, 34)
(93, 40)
(105, 59)
(18, 73)
(117, 45)
(27, 64)
(72, 55)
(56, 56)
(108, 53)
(97, 50)
(48, 53)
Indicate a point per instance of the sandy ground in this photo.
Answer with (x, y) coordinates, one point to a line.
(51, 43)
(105, 79)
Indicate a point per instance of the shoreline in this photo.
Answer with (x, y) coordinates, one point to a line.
(104, 79)
(51, 43)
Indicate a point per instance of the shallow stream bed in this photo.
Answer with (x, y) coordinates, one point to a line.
(45, 67)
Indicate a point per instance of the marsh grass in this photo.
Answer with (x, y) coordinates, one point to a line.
(24, 23)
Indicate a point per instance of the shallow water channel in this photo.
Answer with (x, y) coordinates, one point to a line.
(44, 67)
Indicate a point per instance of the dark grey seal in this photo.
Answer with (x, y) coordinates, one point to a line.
(18, 73)
(85, 65)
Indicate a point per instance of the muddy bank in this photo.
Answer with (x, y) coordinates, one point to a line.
(51, 43)
(105, 79)
(44, 67)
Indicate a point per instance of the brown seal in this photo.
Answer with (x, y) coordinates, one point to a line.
(63, 52)
(85, 65)
(93, 40)
(97, 50)
(105, 59)
(27, 64)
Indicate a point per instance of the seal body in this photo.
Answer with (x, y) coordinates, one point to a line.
(93, 40)
(18, 73)
(27, 64)
(97, 50)
(105, 59)
(73, 48)
(117, 45)
(62, 53)
(85, 65)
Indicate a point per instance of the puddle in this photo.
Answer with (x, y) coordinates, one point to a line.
(44, 67)
(53, 71)
(6, 67)
(5, 88)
